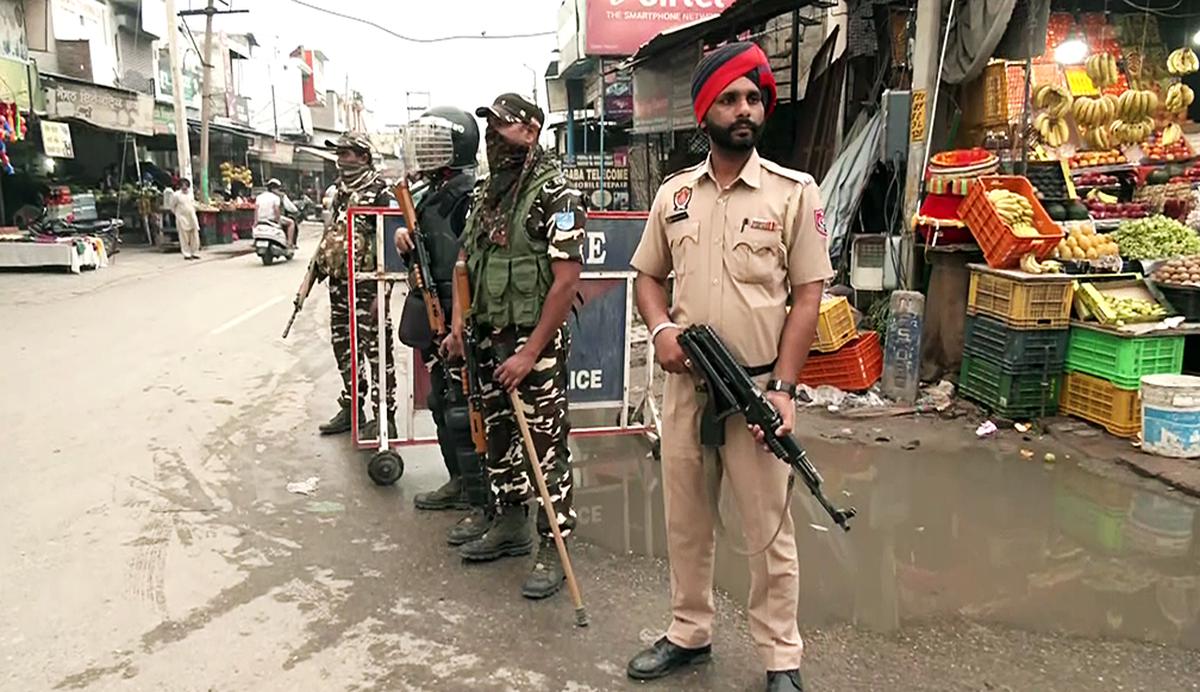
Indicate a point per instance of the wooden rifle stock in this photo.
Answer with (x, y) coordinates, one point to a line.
(420, 272)
(470, 372)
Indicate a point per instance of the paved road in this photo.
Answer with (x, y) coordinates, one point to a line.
(151, 420)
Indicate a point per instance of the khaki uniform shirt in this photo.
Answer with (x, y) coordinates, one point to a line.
(736, 252)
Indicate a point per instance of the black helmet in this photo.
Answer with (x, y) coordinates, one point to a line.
(443, 137)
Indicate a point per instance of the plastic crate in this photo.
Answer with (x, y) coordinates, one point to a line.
(855, 368)
(1001, 248)
(835, 325)
(1089, 523)
(1119, 411)
(1018, 351)
(1185, 299)
(1021, 303)
(1123, 360)
(1011, 396)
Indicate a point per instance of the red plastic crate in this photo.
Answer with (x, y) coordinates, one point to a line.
(854, 368)
(1001, 248)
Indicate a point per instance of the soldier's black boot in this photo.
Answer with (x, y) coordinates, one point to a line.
(339, 424)
(547, 576)
(470, 527)
(370, 431)
(507, 537)
(449, 496)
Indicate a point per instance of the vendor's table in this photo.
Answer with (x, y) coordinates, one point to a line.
(74, 254)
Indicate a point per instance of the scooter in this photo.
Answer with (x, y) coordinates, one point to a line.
(270, 243)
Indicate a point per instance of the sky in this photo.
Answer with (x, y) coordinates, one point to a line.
(462, 73)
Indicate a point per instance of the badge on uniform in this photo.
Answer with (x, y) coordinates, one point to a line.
(683, 197)
(764, 225)
(564, 220)
(819, 217)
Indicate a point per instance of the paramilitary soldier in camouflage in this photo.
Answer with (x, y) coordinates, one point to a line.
(440, 148)
(358, 185)
(524, 247)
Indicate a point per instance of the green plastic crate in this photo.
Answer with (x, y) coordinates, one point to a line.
(1123, 360)
(1013, 396)
(1090, 523)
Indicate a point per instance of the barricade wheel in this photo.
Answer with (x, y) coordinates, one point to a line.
(386, 467)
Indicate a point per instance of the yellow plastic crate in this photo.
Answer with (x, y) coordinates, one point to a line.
(835, 326)
(1119, 411)
(1021, 301)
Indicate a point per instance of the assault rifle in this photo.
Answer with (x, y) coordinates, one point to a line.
(421, 271)
(310, 277)
(731, 391)
(470, 372)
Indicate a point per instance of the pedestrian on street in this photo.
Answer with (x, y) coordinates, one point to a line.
(183, 204)
(524, 252)
(358, 185)
(742, 236)
(442, 145)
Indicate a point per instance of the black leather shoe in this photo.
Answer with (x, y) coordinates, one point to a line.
(784, 681)
(665, 658)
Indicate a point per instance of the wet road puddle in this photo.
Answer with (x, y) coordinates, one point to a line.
(995, 540)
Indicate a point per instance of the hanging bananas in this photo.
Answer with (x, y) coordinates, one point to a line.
(1179, 97)
(1015, 210)
(1102, 69)
(1131, 132)
(1182, 61)
(1053, 130)
(1095, 112)
(1135, 104)
(1055, 99)
(1171, 134)
(1098, 139)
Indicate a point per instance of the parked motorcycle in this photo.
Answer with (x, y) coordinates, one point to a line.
(270, 243)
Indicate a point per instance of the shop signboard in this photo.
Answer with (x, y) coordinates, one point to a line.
(618, 94)
(193, 74)
(620, 27)
(56, 140)
(585, 175)
(124, 111)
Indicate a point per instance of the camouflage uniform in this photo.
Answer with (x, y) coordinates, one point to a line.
(332, 263)
(556, 219)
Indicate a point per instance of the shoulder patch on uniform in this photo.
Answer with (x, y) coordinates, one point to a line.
(819, 221)
(789, 173)
(564, 220)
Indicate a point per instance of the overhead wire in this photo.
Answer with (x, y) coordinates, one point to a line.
(414, 39)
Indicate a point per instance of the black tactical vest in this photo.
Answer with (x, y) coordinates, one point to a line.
(441, 215)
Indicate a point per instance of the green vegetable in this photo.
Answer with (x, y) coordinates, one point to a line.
(1156, 237)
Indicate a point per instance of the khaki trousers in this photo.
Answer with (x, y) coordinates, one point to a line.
(759, 484)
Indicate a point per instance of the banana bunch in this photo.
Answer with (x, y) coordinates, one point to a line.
(1015, 210)
(1179, 97)
(1094, 112)
(1132, 132)
(1098, 139)
(1030, 265)
(1136, 104)
(1053, 130)
(1182, 61)
(1102, 69)
(1055, 99)
(1171, 134)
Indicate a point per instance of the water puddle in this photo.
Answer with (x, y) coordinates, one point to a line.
(994, 540)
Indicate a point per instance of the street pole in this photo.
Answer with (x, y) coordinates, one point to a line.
(183, 147)
(205, 101)
(925, 76)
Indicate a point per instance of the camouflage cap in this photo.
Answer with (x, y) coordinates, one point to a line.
(513, 108)
(350, 140)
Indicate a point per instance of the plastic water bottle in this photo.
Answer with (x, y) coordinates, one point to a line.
(902, 354)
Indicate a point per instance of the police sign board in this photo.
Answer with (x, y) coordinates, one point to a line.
(598, 365)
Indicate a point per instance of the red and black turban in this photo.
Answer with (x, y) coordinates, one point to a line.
(726, 65)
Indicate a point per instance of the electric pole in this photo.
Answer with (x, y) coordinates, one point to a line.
(206, 87)
(183, 148)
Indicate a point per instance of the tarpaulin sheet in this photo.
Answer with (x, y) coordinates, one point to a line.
(842, 188)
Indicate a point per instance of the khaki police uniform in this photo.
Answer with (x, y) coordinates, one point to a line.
(736, 253)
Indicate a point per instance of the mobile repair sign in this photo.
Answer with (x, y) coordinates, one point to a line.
(620, 27)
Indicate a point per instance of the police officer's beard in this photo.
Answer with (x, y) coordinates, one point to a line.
(734, 138)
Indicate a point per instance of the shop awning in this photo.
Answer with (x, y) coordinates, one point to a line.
(736, 18)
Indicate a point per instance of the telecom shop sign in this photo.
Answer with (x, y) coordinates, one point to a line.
(620, 27)
(597, 366)
(606, 186)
